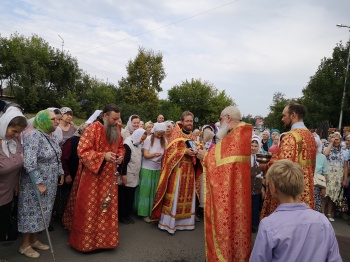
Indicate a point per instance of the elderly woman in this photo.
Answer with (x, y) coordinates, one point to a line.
(337, 171)
(66, 124)
(12, 123)
(169, 130)
(264, 141)
(42, 163)
(153, 151)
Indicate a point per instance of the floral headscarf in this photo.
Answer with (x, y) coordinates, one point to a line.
(42, 121)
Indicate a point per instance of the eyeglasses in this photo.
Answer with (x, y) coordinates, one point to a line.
(220, 118)
(54, 119)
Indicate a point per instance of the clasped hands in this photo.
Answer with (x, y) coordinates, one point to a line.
(112, 157)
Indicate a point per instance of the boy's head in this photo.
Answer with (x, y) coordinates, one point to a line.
(286, 178)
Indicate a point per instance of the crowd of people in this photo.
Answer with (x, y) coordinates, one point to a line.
(94, 176)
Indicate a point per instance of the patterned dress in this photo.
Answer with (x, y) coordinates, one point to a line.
(42, 159)
(336, 160)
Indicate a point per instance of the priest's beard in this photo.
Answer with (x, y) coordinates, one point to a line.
(112, 132)
(224, 128)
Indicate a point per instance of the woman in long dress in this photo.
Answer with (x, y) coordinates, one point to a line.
(337, 172)
(42, 164)
(153, 151)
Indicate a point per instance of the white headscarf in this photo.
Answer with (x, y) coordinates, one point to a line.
(8, 145)
(169, 123)
(208, 134)
(136, 136)
(256, 139)
(93, 117)
(129, 126)
(159, 127)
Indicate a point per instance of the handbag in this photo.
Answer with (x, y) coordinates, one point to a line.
(341, 204)
(320, 181)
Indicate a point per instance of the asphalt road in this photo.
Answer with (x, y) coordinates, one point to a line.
(144, 242)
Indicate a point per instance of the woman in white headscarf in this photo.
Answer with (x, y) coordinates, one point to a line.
(130, 171)
(12, 123)
(132, 124)
(153, 152)
(169, 130)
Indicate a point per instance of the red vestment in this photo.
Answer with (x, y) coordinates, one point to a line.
(89, 227)
(177, 163)
(299, 146)
(228, 211)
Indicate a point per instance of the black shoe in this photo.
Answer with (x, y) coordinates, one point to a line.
(200, 212)
(131, 221)
(124, 221)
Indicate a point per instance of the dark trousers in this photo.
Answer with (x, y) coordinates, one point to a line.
(5, 220)
(256, 207)
(126, 197)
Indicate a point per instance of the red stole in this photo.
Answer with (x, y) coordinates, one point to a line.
(174, 153)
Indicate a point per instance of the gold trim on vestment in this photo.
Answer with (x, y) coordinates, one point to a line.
(230, 159)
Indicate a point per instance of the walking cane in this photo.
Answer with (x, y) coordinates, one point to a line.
(37, 193)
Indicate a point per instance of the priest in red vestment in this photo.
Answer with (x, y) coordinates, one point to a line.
(297, 145)
(178, 186)
(228, 212)
(91, 214)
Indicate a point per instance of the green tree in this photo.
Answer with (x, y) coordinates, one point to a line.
(201, 98)
(274, 118)
(323, 94)
(98, 95)
(139, 90)
(249, 119)
(171, 111)
(37, 74)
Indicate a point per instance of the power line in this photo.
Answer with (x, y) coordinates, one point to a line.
(152, 30)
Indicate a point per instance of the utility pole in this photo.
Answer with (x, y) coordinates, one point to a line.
(344, 90)
(62, 42)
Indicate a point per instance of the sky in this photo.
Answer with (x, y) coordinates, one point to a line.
(249, 48)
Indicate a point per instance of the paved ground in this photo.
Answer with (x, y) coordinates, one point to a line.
(144, 242)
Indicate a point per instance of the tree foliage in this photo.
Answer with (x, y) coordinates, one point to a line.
(138, 91)
(323, 94)
(201, 98)
(37, 74)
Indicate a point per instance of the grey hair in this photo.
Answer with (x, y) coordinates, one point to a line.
(233, 112)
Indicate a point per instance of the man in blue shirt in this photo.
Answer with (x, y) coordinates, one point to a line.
(293, 232)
